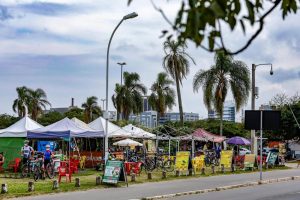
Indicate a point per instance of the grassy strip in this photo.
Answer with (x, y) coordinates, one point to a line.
(18, 187)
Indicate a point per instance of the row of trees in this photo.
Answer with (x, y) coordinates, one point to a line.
(224, 75)
(33, 102)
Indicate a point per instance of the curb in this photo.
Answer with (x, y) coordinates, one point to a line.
(228, 187)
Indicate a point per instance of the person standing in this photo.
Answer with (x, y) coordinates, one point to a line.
(2, 160)
(48, 154)
(26, 152)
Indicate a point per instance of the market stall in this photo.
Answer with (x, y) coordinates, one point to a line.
(12, 138)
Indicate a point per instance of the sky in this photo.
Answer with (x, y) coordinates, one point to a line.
(60, 46)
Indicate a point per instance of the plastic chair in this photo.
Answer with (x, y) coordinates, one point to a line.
(64, 171)
(74, 166)
(14, 165)
(136, 168)
(82, 162)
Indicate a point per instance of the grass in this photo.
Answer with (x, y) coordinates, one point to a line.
(18, 187)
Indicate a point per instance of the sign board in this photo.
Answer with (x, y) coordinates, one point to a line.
(249, 161)
(271, 119)
(182, 160)
(114, 172)
(151, 147)
(272, 157)
(226, 158)
(198, 162)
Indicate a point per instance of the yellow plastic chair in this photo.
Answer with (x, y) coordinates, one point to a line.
(82, 162)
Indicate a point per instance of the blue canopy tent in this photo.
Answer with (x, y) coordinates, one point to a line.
(64, 129)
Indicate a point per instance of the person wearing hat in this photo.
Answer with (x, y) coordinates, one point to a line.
(26, 152)
(1, 159)
(47, 155)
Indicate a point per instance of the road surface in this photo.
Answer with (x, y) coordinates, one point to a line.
(137, 191)
(276, 191)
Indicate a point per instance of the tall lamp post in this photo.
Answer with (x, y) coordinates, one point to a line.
(254, 94)
(121, 64)
(103, 100)
(129, 16)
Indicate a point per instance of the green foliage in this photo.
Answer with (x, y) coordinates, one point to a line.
(128, 98)
(201, 20)
(230, 128)
(162, 96)
(50, 118)
(91, 109)
(7, 120)
(177, 64)
(75, 112)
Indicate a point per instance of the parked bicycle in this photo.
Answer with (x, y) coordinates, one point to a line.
(159, 162)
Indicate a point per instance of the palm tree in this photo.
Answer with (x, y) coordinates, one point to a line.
(224, 75)
(128, 98)
(22, 101)
(162, 96)
(176, 63)
(37, 102)
(91, 109)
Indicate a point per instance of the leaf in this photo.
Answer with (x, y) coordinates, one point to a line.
(129, 2)
(211, 42)
(243, 26)
(217, 9)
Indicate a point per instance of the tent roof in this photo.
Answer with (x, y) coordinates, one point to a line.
(138, 132)
(80, 123)
(20, 128)
(113, 130)
(64, 128)
(203, 135)
(127, 142)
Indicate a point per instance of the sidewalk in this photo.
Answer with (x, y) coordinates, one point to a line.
(138, 191)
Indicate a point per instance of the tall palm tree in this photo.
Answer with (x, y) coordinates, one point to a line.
(224, 75)
(37, 102)
(177, 63)
(128, 98)
(91, 109)
(162, 96)
(22, 101)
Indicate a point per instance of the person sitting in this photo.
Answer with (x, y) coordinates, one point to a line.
(2, 160)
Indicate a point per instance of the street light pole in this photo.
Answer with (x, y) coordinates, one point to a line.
(121, 64)
(129, 16)
(253, 96)
(103, 103)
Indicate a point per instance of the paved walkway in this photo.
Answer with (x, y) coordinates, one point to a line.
(138, 191)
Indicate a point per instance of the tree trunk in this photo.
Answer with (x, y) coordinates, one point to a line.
(221, 122)
(179, 100)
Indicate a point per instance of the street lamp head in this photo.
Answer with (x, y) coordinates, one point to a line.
(271, 71)
(129, 16)
(123, 63)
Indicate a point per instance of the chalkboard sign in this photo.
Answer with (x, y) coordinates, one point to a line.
(272, 157)
(114, 172)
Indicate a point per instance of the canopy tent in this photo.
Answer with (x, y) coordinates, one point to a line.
(203, 135)
(80, 123)
(64, 128)
(20, 128)
(113, 130)
(238, 141)
(127, 143)
(138, 132)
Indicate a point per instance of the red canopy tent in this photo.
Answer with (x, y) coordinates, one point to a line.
(202, 135)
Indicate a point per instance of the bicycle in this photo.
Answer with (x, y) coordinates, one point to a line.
(38, 171)
(50, 169)
(159, 162)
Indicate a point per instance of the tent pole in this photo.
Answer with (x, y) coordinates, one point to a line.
(193, 147)
(169, 147)
(91, 152)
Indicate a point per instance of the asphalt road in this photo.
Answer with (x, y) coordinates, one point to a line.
(137, 191)
(277, 191)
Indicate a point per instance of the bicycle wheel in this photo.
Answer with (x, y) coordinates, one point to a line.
(24, 171)
(50, 171)
(36, 173)
(207, 162)
(149, 165)
(169, 165)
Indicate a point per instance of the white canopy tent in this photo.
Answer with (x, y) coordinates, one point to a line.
(127, 143)
(113, 130)
(80, 123)
(20, 128)
(138, 132)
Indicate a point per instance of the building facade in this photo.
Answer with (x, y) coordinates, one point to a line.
(228, 112)
(173, 117)
(147, 118)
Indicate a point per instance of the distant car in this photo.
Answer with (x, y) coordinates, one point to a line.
(244, 151)
(266, 151)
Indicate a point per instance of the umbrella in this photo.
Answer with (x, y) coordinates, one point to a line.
(238, 141)
(127, 142)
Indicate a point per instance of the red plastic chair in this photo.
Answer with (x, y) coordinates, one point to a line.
(64, 171)
(14, 165)
(128, 166)
(74, 165)
(136, 168)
